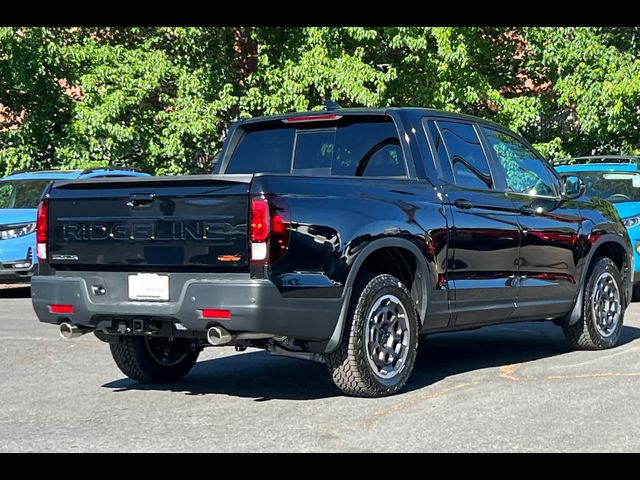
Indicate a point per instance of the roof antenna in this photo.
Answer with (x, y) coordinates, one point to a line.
(330, 105)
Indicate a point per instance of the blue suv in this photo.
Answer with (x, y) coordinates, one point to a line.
(19, 196)
(614, 178)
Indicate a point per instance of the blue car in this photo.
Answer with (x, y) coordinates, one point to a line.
(19, 196)
(614, 178)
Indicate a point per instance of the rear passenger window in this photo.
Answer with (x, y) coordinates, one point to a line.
(352, 146)
(468, 161)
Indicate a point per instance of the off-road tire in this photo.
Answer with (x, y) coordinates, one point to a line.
(348, 364)
(584, 334)
(134, 358)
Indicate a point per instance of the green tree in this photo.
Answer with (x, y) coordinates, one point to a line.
(161, 98)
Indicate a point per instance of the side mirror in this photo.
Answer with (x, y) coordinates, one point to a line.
(572, 187)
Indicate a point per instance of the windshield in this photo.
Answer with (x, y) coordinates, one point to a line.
(615, 187)
(21, 193)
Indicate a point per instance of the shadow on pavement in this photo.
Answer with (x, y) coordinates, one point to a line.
(442, 356)
(255, 374)
(262, 377)
(15, 291)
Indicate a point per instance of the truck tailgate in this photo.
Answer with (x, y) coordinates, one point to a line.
(150, 223)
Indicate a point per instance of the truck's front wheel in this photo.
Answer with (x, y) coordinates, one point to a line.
(378, 350)
(154, 359)
(602, 310)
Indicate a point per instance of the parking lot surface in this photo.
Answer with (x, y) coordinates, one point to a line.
(505, 388)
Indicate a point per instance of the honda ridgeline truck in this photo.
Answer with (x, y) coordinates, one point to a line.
(342, 236)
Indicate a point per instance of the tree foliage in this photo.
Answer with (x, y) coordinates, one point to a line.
(162, 98)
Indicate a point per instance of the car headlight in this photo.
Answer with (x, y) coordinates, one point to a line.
(15, 231)
(631, 221)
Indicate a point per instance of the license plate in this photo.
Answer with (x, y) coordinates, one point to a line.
(149, 286)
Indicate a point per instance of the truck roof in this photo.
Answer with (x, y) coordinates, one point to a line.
(620, 163)
(597, 167)
(371, 111)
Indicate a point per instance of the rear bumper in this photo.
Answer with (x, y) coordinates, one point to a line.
(255, 305)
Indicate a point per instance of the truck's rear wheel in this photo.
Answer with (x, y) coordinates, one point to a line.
(602, 309)
(378, 350)
(154, 359)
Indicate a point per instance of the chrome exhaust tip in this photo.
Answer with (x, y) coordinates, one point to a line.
(218, 336)
(68, 330)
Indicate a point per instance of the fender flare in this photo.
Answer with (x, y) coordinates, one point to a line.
(576, 313)
(421, 266)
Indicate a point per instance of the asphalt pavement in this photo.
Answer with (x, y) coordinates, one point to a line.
(504, 388)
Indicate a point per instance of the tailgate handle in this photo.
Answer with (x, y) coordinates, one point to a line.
(463, 204)
(140, 200)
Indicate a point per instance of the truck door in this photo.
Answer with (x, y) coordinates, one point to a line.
(484, 250)
(549, 245)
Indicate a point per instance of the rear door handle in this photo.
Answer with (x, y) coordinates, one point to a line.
(526, 210)
(463, 204)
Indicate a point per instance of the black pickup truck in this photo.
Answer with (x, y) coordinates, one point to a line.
(341, 236)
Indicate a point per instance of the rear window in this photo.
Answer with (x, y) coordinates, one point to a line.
(361, 147)
(260, 150)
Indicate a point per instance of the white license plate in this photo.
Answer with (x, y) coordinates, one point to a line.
(149, 286)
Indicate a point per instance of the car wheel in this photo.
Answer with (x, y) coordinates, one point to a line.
(154, 359)
(602, 309)
(378, 350)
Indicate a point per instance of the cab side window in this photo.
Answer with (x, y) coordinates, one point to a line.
(443, 167)
(467, 158)
(524, 171)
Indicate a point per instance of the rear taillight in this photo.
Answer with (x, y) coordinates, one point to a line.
(259, 219)
(269, 230)
(42, 220)
(280, 225)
